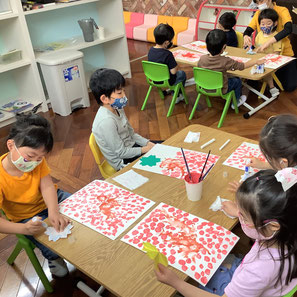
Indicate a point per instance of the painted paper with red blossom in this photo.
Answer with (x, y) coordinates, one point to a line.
(275, 61)
(187, 56)
(170, 161)
(239, 59)
(105, 208)
(199, 46)
(239, 158)
(192, 245)
(287, 177)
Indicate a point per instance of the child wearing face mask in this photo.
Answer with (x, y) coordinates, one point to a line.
(267, 213)
(268, 22)
(278, 145)
(160, 53)
(113, 133)
(27, 189)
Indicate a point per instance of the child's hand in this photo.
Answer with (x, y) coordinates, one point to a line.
(58, 221)
(233, 186)
(146, 148)
(230, 208)
(166, 275)
(151, 144)
(33, 228)
(260, 61)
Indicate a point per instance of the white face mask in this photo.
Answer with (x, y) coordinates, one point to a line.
(262, 6)
(23, 165)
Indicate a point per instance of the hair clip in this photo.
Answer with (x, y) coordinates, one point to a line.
(287, 177)
(257, 178)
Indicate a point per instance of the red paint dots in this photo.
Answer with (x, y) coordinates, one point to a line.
(201, 266)
(181, 262)
(204, 280)
(188, 260)
(209, 265)
(207, 271)
(193, 267)
(206, 258)
(184, 268)
(197, 275)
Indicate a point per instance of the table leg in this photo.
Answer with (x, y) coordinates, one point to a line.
(254, 110)
(87, 290)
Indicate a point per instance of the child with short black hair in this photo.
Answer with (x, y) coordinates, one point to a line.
(216, 43)
(27, 189)
(113, 133)
(268, 19)
(226, 23)
(267, 213)
(160, 53)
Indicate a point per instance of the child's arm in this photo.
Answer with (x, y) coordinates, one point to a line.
(49, 194)
(28, 228)
(253, 62)
(168, 277)
(174, 70)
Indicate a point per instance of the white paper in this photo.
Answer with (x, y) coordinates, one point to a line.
(192, 137)
(131, 180)
(217, 205)
(53, 235)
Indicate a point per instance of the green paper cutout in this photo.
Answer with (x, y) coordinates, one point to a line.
(151, 161)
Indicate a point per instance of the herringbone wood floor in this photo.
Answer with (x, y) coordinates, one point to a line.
(73, 166)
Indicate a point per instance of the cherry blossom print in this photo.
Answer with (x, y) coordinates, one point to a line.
(238, 158)
(193, 245)
(172, 163)
(275, 61)
(199, 46)
(185, 55)
(105, 208)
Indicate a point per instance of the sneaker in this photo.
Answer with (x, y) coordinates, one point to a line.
(167, 92)
(274, 92)
(241, 100)
(179, 98)
(58, 267)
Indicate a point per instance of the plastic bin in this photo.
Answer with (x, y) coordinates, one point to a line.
(64, 77)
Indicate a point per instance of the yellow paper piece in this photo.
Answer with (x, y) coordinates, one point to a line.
(155, 254)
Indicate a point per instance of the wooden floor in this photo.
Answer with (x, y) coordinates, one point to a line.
(73, 165)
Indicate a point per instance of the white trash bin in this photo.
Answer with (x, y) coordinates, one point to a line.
(64, 77)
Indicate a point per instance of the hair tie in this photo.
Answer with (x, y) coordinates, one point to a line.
(287, 177)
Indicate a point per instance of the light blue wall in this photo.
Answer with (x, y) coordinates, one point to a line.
(59, 24)
(8, 87)
(93, 58)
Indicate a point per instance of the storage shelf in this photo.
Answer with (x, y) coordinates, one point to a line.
(58, 6)
(14, 65)
(82, 44)
(8, 15)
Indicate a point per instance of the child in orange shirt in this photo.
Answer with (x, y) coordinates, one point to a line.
(26, 187)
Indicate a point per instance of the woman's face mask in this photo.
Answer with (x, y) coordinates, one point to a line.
(22, 164)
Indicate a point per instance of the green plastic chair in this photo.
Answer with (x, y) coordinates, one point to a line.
(28, 246)
(210, 84)
(290, 294)
(156, 72)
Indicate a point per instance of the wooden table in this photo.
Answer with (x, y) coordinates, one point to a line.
(123, 269)
(245, 74)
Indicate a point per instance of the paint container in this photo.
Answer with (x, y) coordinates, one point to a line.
(193, 187)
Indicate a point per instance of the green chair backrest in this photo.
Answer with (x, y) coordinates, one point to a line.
(208, 79)
(156, 72)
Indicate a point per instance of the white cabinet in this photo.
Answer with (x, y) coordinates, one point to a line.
(57, 24)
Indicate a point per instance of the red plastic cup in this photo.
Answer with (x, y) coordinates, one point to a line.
(193, 186)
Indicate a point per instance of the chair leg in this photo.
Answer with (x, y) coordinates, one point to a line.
(262, 89)
(184, 94)
(146, 97)
(15, 253)
(208, 101)
(161, 93)
(172, 104)
(38, 268)
(195, 106)
(278, 82)
(225, 110)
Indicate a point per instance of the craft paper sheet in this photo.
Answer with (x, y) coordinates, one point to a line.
(131, 180)
(187, 56)
(274, 61)
(192, 245)
(239, 59)
(238, 158)
(199, 46)
(168, 160)
(105, 208)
